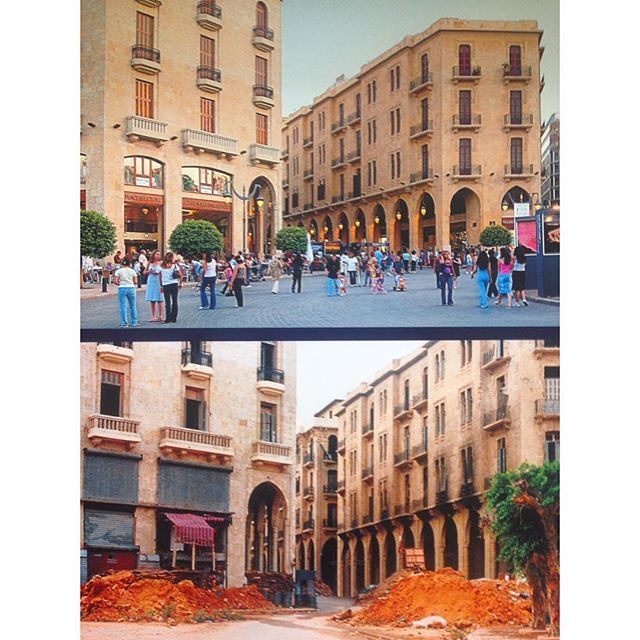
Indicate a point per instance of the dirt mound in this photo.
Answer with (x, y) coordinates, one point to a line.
(123, 596)
(323, 589)
(449, 594)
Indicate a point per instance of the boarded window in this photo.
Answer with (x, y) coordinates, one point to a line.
(108, 528)
(193, 486)
(144, 99)
(110, 477)
(207, 115)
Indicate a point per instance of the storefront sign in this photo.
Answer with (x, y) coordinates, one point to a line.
(205, 205)
(332, 246)
(521, 209)
(207, 189)
(527, 234)
(143, 198)
(507, 222)
(143, 181)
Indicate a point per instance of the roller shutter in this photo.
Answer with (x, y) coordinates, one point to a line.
(109, 529)
(188, 486)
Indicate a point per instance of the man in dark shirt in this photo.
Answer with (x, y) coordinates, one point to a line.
(333, 268)
(296, 264)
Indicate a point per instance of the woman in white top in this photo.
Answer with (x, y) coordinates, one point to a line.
(127, 279)
(209, 275)
(171, 280)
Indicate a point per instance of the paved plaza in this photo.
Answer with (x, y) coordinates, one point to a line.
(417, 308)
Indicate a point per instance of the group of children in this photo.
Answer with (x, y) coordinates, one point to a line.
(377, 281)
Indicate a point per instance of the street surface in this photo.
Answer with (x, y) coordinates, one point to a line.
(418, 307)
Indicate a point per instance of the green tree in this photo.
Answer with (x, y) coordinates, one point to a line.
(496, 236)
(97, 235)
(523, 511)
(195, 237)
(292, 239)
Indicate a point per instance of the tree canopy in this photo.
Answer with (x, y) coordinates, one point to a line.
(496, 236)
(292, 239)
(97, 234)
(195, 237)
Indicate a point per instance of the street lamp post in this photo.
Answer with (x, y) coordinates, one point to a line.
(244, 198)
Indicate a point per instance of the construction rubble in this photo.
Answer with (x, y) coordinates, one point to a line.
(407, 597)
(134, 597)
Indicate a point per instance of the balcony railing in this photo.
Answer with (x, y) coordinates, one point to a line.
(202, 358)
(341, 486)
(146, 128)
(367, 518)
(419, 450)
(420, 503)
(498, 417)
(402, 409)
(422, 128)
(307, 458)
(271, 452)
(330, 523)
(515, 72)
(307, 142)
(470, 121)
(339, 161)
(472, 72)
(209, 15)
(264, 153)
(442, 496)
(210, 8)
(493, 357)
(145, 53)
(518, 169)
(307, 206)
(401, 509)
(263, 32)
(341, 444)
(354, 117)
(467, 171)
(263, 96)
(270, 374)
(352, 156)
(419, 176)
(384, 513)
(193, 439)
(518, 120)
(403, 457)
(307, 492)
(339, 198)
(367, 429)
(367, 472)
(354, 523)
(308, 524)
(337, 126)
(467, 489)
(213, 142)
(548, 407)
(423, 81)
(113, 428)
(330, 457)
(209, 73)
(332, 487)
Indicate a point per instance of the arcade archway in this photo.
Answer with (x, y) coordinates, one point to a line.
(359, 566)
(391, 561)
(343, 228)
(401, 226)
(266, 515)
(379, 225)
(427, 222)
(476, 546)
(374, 561)
(360, 226)
(450, 534)
(429, 547)
(327, 228)
(261, 224)
(464, 221)
(329, 563)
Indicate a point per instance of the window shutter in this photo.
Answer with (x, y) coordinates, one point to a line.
(144, 30)
(203, 415)
(207, 52)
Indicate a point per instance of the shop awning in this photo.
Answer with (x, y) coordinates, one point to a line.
(191, 529)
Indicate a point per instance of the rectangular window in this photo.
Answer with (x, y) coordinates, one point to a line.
(111, 393)
(207, 115)
(262, 128)
(261, 71)
(207, 52)
(144, 30)
(502, 455)
(516, 155)
(464, 106)
(467, 464)
(268, 423)
(465, 156)
(424, 112)
(398, 165)
(552, 446)
(515, 107)
(464, 59)
(392, 163)
(144, 99)
(195, 416)
(392, 119)
(515, 60)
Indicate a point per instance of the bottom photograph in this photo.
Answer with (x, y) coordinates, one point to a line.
(320, 489)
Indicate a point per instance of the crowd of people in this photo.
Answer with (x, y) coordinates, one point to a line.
(499, 274)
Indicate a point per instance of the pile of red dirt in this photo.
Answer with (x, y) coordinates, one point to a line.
(323, 589)
(447, 593)
(124, 596)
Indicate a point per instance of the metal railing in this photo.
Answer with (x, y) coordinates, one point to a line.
(548, 406)
(366, 429)
(332, 487)
(367, 472)
(202, 358)
(442, 496)
(426, 174)
(421, 127)
(113, 423)
(501, 412)
(471, 120)
(467, 489)
(262, 91)
(402, 408)
(518, 169)
(399, 509)
(330, 523)
(419, 450)
(341, 444)
(260, 31)
(341, 485)
(308, 524)
(425, 78)
(307, 141)
(210, 8)
(339, 198)
(336, 126)
(367, 518)
(384, 513)
(270, 374)
(209, 73)
(307, 206)
(194, 436)
(467, 72)
(145, 53)
(354, 523)
(354, 155)
(403, 456)
(515, 119)
(467, 170)
(353, 117)
(307, 491)
(515, 72)
(307, 458)
(420, 503)
(340, 160)
(330, 457)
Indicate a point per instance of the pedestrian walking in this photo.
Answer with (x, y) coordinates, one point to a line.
(209, 276)
(505, 280)
(142, 259)
(276, 267)
(414, 260)
(519, 275)
(481, 268)
(171, 280)
(153, 294)
(333, 268)
(444, 268)
(494, 268)
(126, 280)
(297, 263)
(352, 268)
(237, 281)
(228, 274)
(344, 262)
(457, 263)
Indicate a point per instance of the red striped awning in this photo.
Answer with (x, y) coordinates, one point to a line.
(192, 529)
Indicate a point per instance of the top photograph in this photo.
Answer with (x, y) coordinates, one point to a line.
(319, 167)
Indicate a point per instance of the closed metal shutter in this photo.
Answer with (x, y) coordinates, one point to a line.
(112, 477)
(112, 529)
(193, 486)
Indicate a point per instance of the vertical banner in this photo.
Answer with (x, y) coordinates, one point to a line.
(527, 233)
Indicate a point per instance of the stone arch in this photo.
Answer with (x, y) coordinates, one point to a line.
(332, 445)
(301, 556)
(408, 541)
(360, 564)
(475, 549)
(380, 225)
(464, 218)
(346, 569)
(261, 220)
(426, 217)
(374, 560)
(266, 515)
(429, 546)
(327, 228)
(343, 232)
(391, 556)
(514, 194)
(359, 226)
(329, 563)
(312, 556)
(401, 226)
(450, 543)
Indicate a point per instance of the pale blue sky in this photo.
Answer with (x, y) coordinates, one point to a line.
(323, 39)
(328, 370)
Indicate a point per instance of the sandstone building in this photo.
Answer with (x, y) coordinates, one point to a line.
(425, 144)
(317, 495)
(180, 100)
(192, 433)
(419, 444)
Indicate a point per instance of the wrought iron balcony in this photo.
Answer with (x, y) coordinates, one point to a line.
(145, 59)
(367, 430)
(338, 162)
(442, 496)
(330, 523)
(308, 142)
(425, 81)
(473, 73)
(402, 410)
(354, 156)
(367, 472)
(330, 488)
(263, 96)
(341, 486)
(354, 118)
(510, 73)
(467, 489)
(307, 459)
(423, 128)
(419, 451)
(307, 492)
(308, 174)
(494, 357)
(367, 518)
(263, 38)
(467, 172)
(498, 418)
(308, 525)
(270, 380)
(201, 358)
(209, 15)
(336, 127)
(420, 503)
(518, 170)
(466, 122)
(341, 445)
(401, 509)
(402, 458)
(419, 176)
(330, 458)
(209, 79)
(518, 121)
(548, 407)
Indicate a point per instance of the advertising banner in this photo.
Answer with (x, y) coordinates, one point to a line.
(527, 234)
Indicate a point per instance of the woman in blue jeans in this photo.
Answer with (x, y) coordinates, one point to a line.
(481, 267)
(445, 272)
(127, 279)
(209, 275)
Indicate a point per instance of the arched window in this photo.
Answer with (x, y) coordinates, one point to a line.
(140, 171)
(206, 181)
(261, 15)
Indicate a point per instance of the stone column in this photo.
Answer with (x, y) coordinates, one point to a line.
(489, 554)
(461, 519)
(367, 563)
(339, 571)
(352, 576)
(437, 524)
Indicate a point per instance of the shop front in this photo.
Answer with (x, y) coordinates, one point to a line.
(143, 217)
(215, 211)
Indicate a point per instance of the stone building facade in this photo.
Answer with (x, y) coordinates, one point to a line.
(317, 496)
(205, 430)
(419, 444)
(180, 101)
(423, 146)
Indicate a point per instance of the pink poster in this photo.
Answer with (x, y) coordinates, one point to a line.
(528, 234)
